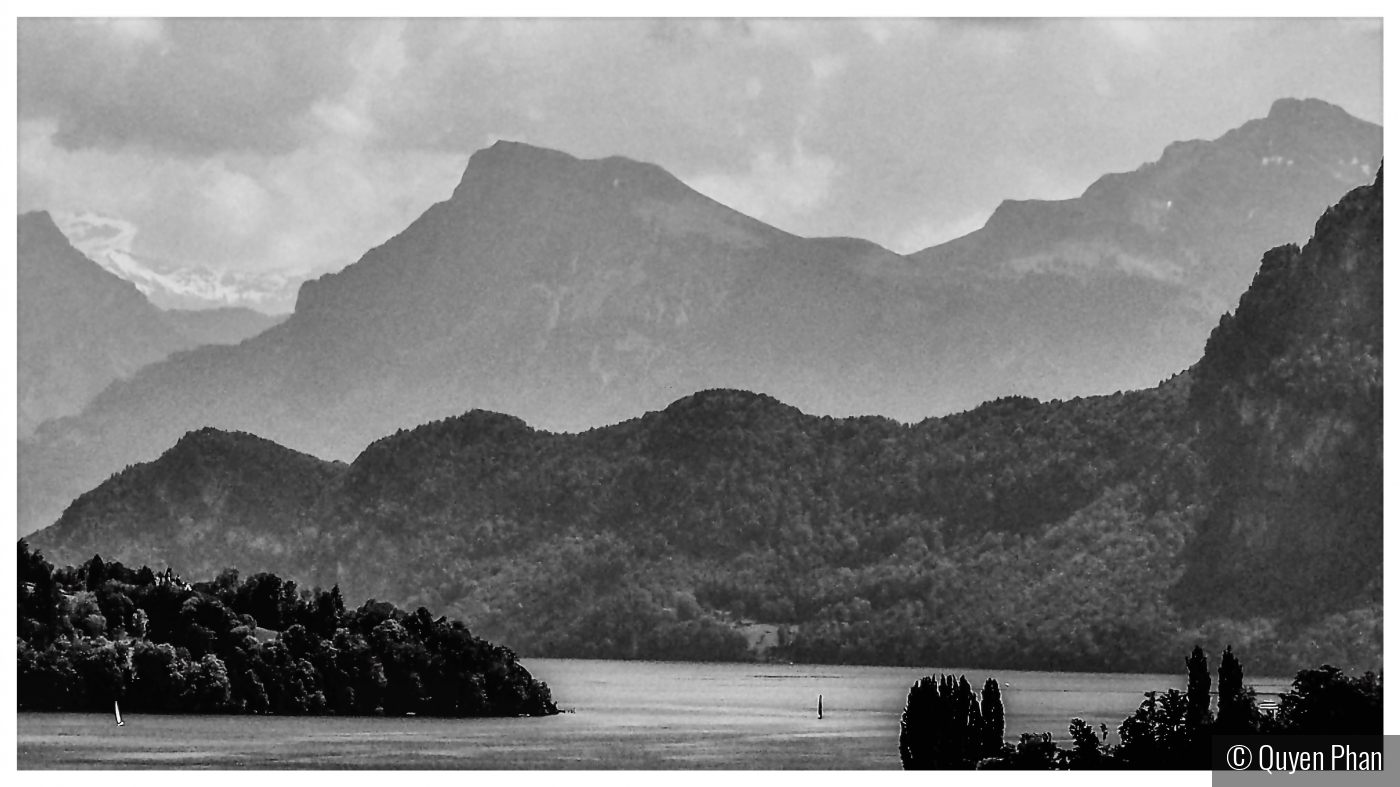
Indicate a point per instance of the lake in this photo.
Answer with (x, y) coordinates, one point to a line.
(626, 714)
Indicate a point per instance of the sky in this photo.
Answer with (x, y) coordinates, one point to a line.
(297, 145)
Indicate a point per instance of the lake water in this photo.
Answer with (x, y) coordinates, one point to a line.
(635, 715)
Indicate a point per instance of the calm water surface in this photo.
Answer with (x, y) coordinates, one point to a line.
(637, 715)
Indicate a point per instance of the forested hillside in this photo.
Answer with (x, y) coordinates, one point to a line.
(1102, 533)
(1289, 395)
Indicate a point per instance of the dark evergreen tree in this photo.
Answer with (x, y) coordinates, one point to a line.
(943, 726)
(915, 743)
(1237, 714)
(96, 573)
(993, 732)
(1198, 714)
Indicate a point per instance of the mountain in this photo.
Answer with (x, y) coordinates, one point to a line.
(1236, 504)
(577, 293)
(174, 285)
(1290, 397)
(80, 327)
(229, 325)
(1172, 244)
(226, 494)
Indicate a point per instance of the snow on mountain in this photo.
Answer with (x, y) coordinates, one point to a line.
(170, 285)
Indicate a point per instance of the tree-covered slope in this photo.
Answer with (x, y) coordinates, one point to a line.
(215, 499)
(656, 536)
(1289, 398)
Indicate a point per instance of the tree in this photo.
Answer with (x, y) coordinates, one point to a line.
(186, 651)
(96, 573)
(85, 614)
(39, 598)
(1032, 753)
(1326, 701)
(944, 725)
(1154, 737)
(158, 678)
(208, 689)
(1198, 714)
(993, 732)
(1238, 715)
(1088, 753)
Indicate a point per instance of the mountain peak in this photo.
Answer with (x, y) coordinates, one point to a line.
(1299, 108)
(511, 151)
(37, 216)
(1308, 109)
(508, 162)
(209, 442)
(39, 224)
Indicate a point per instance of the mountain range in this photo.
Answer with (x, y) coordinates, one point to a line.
(175, 285)
(80, 327)
(1238, 503)
(574, 294)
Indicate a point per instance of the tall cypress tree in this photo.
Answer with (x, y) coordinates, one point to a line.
(1237, 712)
(96, 573)
(1198, 714)
(974, 731)
(993, 719)
(943, 726)
(916, 726)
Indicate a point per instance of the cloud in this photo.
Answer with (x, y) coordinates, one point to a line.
(208, 85)
(1135, 34)
(134, 31)
(774, 189)
(96, 235)
(826, 67)
(315, 208)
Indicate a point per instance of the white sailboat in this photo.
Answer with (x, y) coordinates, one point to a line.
(116, 708)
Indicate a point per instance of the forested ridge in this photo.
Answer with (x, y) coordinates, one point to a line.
(102, 633)
(1101, 533)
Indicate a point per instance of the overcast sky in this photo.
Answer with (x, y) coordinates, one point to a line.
(298, 145)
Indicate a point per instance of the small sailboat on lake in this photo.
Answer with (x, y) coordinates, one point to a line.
(117, 709)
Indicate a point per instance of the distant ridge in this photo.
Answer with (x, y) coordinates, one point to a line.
(574, 293)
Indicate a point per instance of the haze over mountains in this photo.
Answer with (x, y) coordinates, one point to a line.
(80, 327)
(576, 293)
(1236, 504)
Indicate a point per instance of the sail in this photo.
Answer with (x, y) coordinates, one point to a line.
(117, 709)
